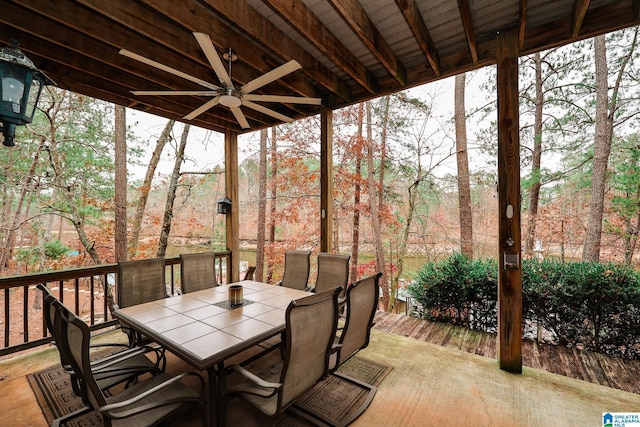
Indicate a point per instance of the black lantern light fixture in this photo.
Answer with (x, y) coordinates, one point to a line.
(20, 86)
(224, 206)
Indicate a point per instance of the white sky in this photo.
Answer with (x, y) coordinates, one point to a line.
(205, 149)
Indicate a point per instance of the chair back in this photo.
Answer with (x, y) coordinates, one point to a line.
(311, 324)
(248, 275)
(197, 271)
(361, 303)
(296, 269)
(74, 343)
(333, 271)
(141, 281)
(47, 310)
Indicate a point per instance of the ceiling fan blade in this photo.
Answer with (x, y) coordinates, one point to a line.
(267, 111)
(272, 75)
(176, 92)
(204, 107)
(168, 69)
(283, 99)
(244, 124)
(212, 55)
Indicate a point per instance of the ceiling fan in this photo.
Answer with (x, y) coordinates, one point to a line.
(226, 93)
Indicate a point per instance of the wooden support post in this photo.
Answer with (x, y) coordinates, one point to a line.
(509, 262)
(326, 180)
(231, 189)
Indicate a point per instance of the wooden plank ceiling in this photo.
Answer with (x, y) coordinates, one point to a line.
(349, 50)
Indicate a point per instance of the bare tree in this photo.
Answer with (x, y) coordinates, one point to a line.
(136, 223)
(262, 206)
(536, 184)
(355, 229)
(374, 211)
(171, 194)
(120, 191)
(605, 115)
(273, 153)
(462, 157)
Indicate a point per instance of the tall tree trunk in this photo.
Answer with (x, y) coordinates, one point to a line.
(374, 209)
(383, 151)
(120, 192)
(272, 205)
(355, 228)
(136, 223)
(171, 194)
(534, 191)
(462, 158)
(10, 241)
(605, 116)
(262, 206)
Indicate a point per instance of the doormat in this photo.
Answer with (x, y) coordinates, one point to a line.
(340, 398)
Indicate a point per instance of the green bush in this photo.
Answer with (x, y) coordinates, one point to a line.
(583, 304)
(458, 290)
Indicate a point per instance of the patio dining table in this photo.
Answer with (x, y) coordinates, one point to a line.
(204, 330)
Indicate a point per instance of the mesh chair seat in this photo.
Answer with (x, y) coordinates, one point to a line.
(197, 271)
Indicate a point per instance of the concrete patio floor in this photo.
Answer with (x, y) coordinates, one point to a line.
(429, 385)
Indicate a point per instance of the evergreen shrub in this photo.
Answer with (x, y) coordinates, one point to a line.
(588, 305)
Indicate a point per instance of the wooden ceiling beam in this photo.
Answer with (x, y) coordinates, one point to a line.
(246, 18)
(300, 17)
(154, 26)
(358, 20)
(106, 55)
(580, 8)
(412, 15)
(76, 73)
(522, 23)
(469, 29)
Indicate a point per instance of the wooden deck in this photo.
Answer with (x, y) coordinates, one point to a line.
(618, 373)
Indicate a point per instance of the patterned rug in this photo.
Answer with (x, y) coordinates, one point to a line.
(337, 397)
(56, 398)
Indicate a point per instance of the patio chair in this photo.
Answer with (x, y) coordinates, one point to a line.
(124, 366)
(138, 282)
(361, 304)
(123, 363)
(311, 324)
(143, 404)
(333, 270)
(248, 275)
(197, 271)
(296, 270)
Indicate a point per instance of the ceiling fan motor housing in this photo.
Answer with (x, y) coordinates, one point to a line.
(230, 97)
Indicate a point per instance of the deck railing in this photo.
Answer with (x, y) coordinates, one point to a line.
(81, 289)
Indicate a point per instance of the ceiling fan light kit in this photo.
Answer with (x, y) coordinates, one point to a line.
(226, 93)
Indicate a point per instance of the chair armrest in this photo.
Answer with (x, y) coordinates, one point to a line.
(267, 389)
(114, 406)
